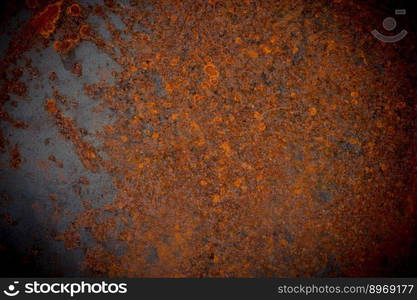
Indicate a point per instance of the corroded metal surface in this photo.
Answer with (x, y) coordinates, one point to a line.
(205, 138)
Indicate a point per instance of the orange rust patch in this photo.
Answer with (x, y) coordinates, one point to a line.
(51, 107)
(216, 199)
(312, 111)
(211, 71)
(45, 21)
(85, 31)
(252, 53)
(66, 45)
(74, 10)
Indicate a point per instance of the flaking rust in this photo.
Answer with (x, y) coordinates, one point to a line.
(45, 21)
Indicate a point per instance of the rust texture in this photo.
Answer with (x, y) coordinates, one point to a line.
(251, 138)
(45, 21)
(15, 159)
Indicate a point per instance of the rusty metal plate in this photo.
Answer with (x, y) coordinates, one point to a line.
(206, 139)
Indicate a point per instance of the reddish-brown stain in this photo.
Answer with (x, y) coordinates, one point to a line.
(74, 10)
(15, 159)
(45, 21)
